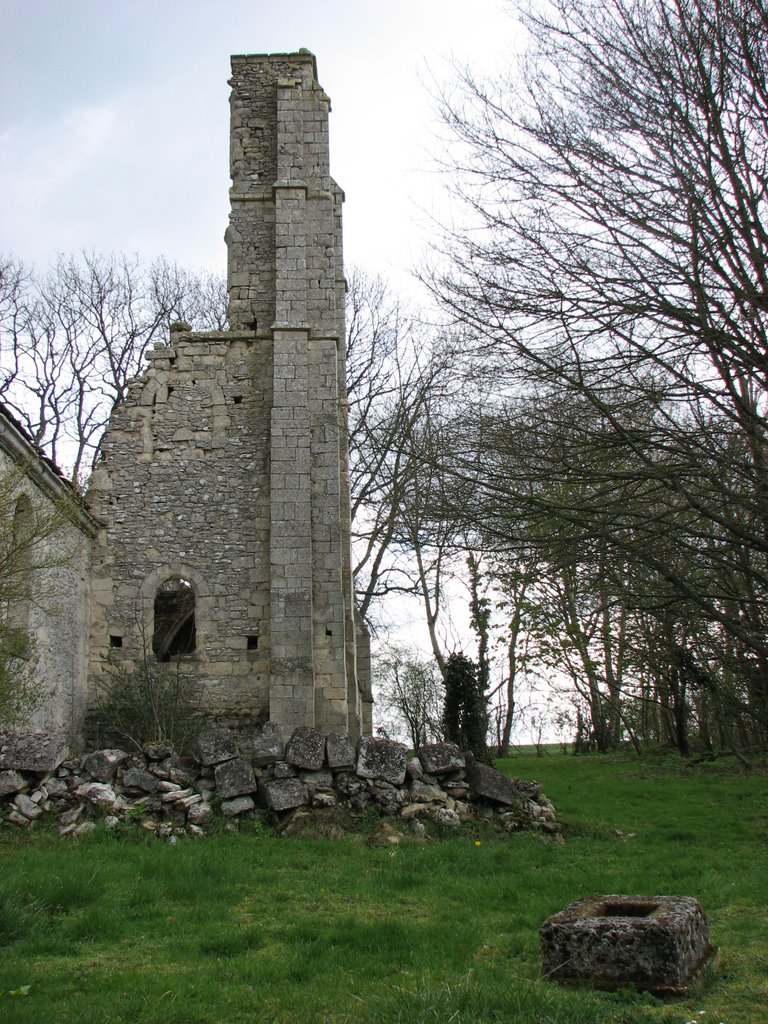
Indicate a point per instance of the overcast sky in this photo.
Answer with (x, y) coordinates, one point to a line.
(114, 117)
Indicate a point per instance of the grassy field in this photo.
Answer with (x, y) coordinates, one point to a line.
(248, 927)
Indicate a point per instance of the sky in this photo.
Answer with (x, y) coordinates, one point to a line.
(114, 118)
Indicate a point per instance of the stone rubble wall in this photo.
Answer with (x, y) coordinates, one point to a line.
(263, 777)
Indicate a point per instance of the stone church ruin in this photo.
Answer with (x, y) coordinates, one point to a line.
(223, 486)
(221, 502)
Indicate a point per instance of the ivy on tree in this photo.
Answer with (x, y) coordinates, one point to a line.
(465, 714)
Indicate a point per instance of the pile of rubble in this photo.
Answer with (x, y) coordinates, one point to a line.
(259, 776)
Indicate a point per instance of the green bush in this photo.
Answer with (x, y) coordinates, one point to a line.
(148, 703)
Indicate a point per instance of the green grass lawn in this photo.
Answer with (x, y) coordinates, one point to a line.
(248, 927)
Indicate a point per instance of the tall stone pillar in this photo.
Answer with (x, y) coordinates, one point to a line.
(286, 279)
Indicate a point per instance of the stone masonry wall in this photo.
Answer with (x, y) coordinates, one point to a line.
(226, 466)
(55, 613)
(183, 492)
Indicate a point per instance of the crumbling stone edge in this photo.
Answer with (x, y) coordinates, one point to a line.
(234, 777)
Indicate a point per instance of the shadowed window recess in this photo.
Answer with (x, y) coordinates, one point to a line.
(174, 626)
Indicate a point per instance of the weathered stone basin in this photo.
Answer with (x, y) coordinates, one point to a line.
(658, 944)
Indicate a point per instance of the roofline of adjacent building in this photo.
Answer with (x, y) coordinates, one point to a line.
(42, 471)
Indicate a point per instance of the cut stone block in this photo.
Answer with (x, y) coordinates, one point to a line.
(658, 944)
(234, 778)
(238, 805)
(162, 769)
(101, 765)
(12, 782)
(267, 745)
(200, 814)
(284, 794)
(441, 758)
(34, 751)
(381, 759)
(306, 748)
(70, 817)
(139, 778)
(18, 819)
(423, 793)
(27, 807)
(322, 780)
(216, 746)
(97, 793)
(492, 785)
(339, 751)
(157, 751)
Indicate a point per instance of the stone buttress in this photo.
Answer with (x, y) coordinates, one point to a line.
(224, 486)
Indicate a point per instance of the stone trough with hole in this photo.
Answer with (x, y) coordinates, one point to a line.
(657, 944)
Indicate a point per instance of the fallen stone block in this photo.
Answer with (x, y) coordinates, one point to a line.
(97, 793)
(284, 794)
(69, 817)
(216, 746)
(323, 799)
(305, 748)
(445, 817)
(29, 808)
(441, 758)
(200, 814)
(33, 752)
(101, 765)
(381, 759)
(339, 751)
(158, 751)
(234, 778)
(12, 782)
(16, 818)
(411, 811)
(238, 805)
(492, 785)
(140, 779)
(422, 793)
(267, 745)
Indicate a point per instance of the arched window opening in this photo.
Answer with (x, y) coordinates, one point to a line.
(174, 631)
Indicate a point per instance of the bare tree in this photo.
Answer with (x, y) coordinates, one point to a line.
(398, 379)
(616, 284)
(409, 690)
(72, 338)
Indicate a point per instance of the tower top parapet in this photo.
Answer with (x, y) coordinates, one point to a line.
(284, 234)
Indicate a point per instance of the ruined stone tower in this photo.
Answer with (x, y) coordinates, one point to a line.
(223, 487)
